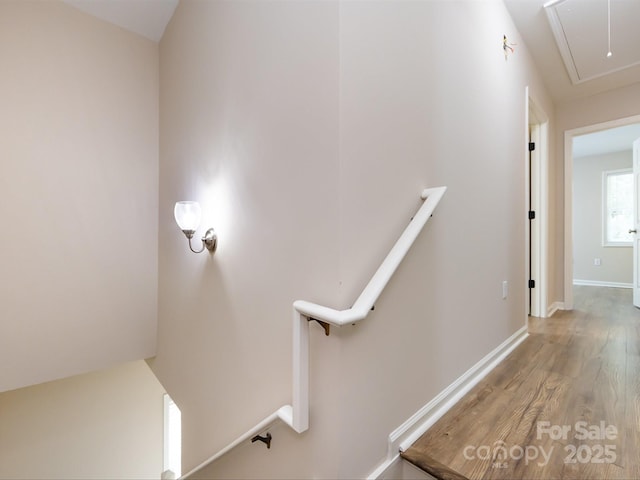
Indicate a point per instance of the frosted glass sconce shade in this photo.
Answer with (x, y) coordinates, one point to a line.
(187, 215)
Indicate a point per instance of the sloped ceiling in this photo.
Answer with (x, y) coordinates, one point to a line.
(148, 18)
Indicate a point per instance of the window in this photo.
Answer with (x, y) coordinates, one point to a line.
(617, 208)
(172, 439)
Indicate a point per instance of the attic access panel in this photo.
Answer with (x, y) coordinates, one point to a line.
(581, 32)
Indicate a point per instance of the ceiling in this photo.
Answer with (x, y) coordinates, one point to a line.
(581, 32)
(606, 141)
(569, 41)
(148, 18)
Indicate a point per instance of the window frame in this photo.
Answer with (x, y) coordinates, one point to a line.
(605, 176)
(170, 436)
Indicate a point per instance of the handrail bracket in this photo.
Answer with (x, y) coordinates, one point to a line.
(266, 439)
(326, 326)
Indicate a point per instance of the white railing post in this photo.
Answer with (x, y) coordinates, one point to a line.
(300, 421)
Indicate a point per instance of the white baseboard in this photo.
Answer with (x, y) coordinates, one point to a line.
(598, 283)
(400, 468)
(555, 306)
(391, 468)
(412, 429)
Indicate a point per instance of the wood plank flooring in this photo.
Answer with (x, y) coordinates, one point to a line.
(564, 405)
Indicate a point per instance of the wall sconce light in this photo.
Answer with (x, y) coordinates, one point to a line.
(188, 219)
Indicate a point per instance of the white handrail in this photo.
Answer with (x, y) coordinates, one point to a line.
(304, 311)
(379, 281)
(297, 416)
(283, 413)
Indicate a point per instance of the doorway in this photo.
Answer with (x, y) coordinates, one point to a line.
(537, 208)
(569, 250)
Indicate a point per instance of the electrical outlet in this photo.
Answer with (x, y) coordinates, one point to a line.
(505, 289)
(597, 262)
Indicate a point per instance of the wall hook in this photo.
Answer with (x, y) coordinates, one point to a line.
(266, 439)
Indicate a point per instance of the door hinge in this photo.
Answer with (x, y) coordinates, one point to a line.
(532, 284)
(532, 214)
(532, 146)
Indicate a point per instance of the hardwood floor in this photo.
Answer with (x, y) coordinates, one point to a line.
(564, 405)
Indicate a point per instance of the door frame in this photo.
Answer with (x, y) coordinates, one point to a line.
(636, 223)
(537, 188)
(568, 196)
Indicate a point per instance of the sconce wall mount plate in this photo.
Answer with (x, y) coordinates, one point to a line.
(210, 240)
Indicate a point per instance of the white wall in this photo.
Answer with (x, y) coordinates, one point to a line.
(308, 130)
(616, 262)
(249, 103)
(79, 150)
(106, 424)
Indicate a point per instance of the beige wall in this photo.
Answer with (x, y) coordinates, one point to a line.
(616, 262)
(79, 173)
(307, 131)
(605, 107)
(106, 424)
(249, 105)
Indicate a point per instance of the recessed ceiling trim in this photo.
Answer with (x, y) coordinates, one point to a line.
(561, 40)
